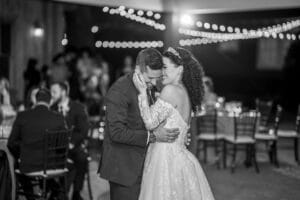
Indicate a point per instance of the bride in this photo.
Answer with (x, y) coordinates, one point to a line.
(170, 170)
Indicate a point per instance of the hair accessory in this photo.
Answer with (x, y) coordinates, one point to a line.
(173, 51)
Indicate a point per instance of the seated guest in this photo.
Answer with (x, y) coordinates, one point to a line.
(77, 118)
(8, 96)
(210, 98)
(26, 139)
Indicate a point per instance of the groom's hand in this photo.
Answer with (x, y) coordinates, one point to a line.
(166, 135)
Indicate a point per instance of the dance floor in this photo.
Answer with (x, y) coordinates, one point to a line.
(245, 184)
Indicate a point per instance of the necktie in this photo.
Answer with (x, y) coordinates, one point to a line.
(151, 95)
(60, 110)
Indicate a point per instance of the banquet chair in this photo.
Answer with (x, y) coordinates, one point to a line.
(56, 145)
(6, 179)
(243, 136)
(207, 134)
(89, 159)
(265, 110)
(293, 135)
(270, 137)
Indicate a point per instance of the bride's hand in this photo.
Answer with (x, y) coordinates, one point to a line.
(139, 82)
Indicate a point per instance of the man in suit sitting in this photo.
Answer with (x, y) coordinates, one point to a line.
(77, 118)
(26, 139)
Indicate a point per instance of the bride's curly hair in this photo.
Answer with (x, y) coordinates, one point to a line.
(192, 76)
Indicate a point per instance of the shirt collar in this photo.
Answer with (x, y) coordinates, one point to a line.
(64, 103)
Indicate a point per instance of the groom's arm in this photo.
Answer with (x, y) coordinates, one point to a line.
(116, 114)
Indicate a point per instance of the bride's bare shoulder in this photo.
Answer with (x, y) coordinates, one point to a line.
(171, 93)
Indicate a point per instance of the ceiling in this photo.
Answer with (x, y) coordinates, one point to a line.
(195, 6)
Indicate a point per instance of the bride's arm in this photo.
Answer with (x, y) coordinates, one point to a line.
(154, 115)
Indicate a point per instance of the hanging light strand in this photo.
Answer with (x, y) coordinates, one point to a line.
(238, 36)
(130, 14)
(199, 41)
(279, 28)
(275, 31)
(204, 40)
(128, 44)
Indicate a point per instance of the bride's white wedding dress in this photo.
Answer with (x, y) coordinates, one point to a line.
(171, 172)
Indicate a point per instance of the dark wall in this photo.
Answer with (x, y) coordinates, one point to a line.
(4, 49)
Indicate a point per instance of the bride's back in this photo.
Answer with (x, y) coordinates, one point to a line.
(178, 97)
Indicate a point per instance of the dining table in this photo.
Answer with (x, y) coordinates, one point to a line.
(225, 125)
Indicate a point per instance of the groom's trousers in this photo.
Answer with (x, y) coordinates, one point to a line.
(121, 192)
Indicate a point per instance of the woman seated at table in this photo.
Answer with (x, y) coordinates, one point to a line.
(6, 107)
(210, 98)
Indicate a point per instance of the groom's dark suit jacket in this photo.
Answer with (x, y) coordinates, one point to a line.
(125, 141)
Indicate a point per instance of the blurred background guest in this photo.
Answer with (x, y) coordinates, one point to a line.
(210, 97)
(104, 78)
(45, 76)
(59, 71)
(128, 66)
(85, 63)
(8, 102)
(71, 59)
(76, 118)
(32, 76)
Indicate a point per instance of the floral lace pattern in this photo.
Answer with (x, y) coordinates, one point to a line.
(171, 172)
(154, 115)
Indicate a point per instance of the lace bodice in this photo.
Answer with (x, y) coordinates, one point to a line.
(156, 114)
(170, 170)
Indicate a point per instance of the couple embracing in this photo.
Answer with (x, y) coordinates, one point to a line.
(144, 153)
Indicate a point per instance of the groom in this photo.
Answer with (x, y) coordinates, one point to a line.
(126, 140)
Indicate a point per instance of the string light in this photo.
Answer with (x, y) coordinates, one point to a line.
(105, 9)
(130, 14)
(64, 41)
(122, 8)
(199, 24)
(130, 11)
(214, 27)
(98, 44)
(207, 25)
(95, 29)
(157, 16)
(149, 13)
(140, 12)
(128, 44)
(186, 20)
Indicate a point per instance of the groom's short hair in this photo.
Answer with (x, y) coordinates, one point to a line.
(43, 95)
(149, 57)
(64, 85)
